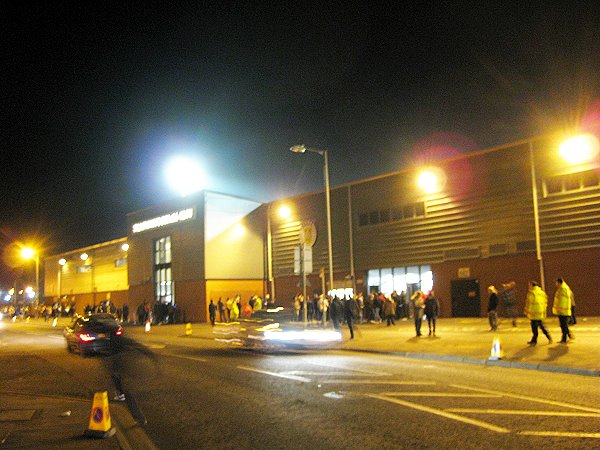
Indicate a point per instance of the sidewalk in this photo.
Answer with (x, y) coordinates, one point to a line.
(52, 422)
(464, 340)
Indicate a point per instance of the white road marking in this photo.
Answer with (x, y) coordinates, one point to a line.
(438, 412)
(561, 434)
(523, 412)
(389, 382)
(439, 394)
(193, 358)
(274, 374)
(526, 397)
(378, 374)
(327, 374)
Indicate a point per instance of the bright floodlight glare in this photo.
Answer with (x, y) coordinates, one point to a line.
(27, 253)
(579, 149)
(84, 256)
(239, 230)
(428, 181)
(298, 148)
(185, 175)
(285, 212)
(62, 261)
(125, 247)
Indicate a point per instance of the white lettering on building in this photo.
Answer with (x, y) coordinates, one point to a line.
(167, 219)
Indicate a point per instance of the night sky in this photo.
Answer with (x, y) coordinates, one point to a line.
(96, 96)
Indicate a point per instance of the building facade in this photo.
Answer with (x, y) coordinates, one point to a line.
(513, 213)
(474, 226)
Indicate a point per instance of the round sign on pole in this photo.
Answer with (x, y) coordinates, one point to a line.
(308, 234)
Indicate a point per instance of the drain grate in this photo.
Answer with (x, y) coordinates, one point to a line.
(15, 415)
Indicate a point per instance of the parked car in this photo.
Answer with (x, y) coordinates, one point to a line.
(94, 333)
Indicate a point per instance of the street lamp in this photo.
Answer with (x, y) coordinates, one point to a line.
(29, 253)
(303, 149)
(574, 151)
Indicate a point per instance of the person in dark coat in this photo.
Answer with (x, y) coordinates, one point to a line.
(212, 312)
(350, 313)
(337, 312)
(492, 308)
(432, 310)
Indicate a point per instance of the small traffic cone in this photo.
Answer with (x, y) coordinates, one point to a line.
(100, 424)
(497, 351)
(27, 320)
(147, 329)
(54, 322)
(188, 329)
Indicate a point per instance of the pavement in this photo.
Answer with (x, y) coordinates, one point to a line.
(59, 422)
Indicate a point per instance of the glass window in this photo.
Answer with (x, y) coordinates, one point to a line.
(426, 278)
(412, 275)
(374, 277)
(374, 217)
(387, 281)
(162, 250)
(399, 279)
(408, 211)
(420, 209)
(397, 214)
(384, 216)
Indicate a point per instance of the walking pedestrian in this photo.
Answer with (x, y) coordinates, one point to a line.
(536, 304)
(432, 310)
(563, 300)
(418, 302)
(492, 307)
(221, 306)
(350, 313)
(389, 310)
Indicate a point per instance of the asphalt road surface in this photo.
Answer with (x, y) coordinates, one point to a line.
(212, 396)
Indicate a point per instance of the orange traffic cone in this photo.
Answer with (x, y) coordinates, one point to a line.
(497, 352)
(100, 423)
(147, 329)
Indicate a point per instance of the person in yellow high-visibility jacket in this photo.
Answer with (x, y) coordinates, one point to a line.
(563, 299)
(536, 304)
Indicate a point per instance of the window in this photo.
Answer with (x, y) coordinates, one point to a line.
(374, 217)
(163, 277)
(562, 184)
(407, 279)
(120, 262)
(84, 269)
(409, 211)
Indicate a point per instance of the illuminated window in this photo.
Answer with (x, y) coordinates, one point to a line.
(163, 278)
(121, 262)
(407, 279)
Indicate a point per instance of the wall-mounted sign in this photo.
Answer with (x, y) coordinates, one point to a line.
(464, 272)
(308, 234)
(167, 219)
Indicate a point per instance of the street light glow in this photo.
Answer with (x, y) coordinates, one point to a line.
(84, 256)
(62, 261)
(125, 247)
(430, 181)
(579, 149)
(27, 253)
(185, 175)
(285, 212)
(298, 148)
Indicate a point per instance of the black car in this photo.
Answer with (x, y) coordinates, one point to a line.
(94, 333)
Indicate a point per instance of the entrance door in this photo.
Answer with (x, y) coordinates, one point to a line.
(465, 298)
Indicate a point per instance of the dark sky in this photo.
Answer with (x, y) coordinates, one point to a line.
(97, 95)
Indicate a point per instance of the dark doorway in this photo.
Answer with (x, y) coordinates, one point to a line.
(465, 298)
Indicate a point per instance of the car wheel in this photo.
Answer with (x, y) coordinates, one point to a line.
(69, 348)
(82, 351)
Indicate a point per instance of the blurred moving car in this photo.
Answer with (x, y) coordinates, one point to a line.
(94, 333)
(274, 328)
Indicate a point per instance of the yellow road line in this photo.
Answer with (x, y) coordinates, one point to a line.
(526, 397)
(523, 412)
(561, 434)
(439, 394)
(438, 412)
(274, 374)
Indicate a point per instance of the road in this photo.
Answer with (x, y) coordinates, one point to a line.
(207, 395)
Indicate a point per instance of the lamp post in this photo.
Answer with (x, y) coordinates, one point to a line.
(536, 217)
(61, 264)
(303, 149)
(29, 253)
